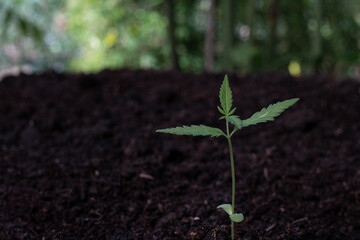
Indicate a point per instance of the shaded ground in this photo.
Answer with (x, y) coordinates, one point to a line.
(80, 158)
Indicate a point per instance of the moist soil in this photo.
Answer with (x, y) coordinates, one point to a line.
(80, 158)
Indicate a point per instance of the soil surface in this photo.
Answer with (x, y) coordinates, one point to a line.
(80, 159)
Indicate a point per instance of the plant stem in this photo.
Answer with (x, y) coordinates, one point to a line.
(232, 176)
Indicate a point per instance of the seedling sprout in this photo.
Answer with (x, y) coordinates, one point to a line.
(227, 110)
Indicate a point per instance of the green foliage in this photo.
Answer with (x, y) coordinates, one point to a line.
(133, 34)
(127, 34)
(16, 20)
(225, 95)
(193, 130)
(31, 29)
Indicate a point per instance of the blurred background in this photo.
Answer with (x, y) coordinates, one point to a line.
(299, 37)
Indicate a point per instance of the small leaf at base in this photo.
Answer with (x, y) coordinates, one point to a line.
(237, 217)
(226, 207)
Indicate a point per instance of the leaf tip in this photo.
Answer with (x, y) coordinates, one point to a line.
(294, 100)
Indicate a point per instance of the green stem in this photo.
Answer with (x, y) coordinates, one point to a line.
(232, 176)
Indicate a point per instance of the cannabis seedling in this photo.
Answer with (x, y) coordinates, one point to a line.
(264, 115)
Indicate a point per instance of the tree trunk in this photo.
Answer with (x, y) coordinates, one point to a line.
(273, 18)
(227, 34)
(210, 38)
(250, 21)
(171, 32)
(317, 42)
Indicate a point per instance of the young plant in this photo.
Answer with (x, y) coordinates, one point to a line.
(264, 115)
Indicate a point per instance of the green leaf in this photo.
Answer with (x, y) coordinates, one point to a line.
(193, 130)
(269, 113)
(237, 217)
(235, 120)
(226, 207)
(232, 111)
(220, 110)
(225, 96)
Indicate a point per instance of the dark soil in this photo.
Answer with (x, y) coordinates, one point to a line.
(80, 158)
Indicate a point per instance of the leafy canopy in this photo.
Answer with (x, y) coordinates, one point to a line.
(226, 101)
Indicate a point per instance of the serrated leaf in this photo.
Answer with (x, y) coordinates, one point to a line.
(232, 111)
(237, 217)
(225, 96)
(269, 113)
(193, 130)
(226, 207)
(220, 110)
(235, 120)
